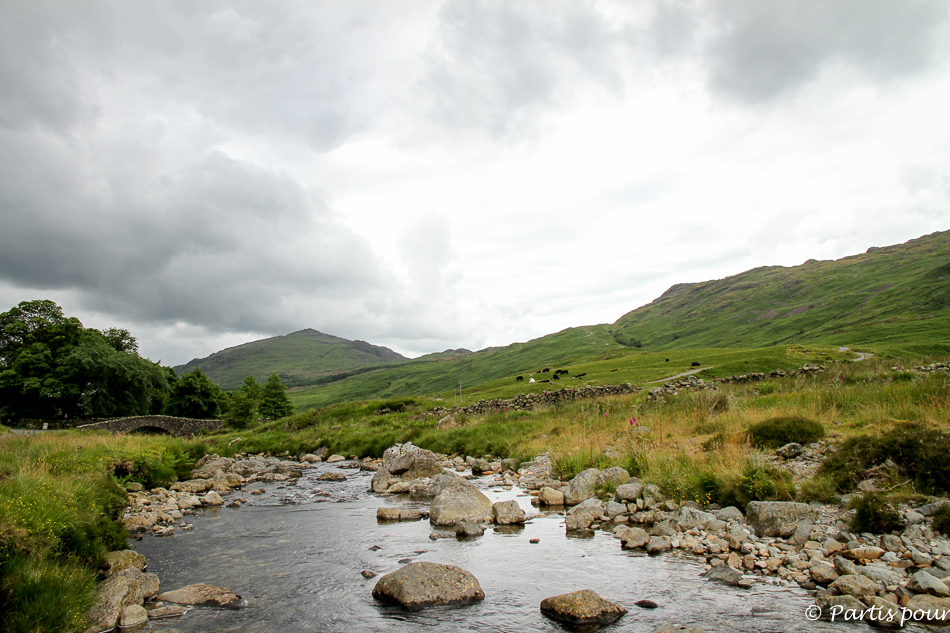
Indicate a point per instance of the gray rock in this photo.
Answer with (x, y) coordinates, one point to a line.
(614, 509)
(778, 518)
(124, 559)
(133, 615)
(634, 538)
(937, 609)
(836, 606)
(468, 528)
(614, 476)
(460, 501)
(790, 451)
(658, 544)
(883, 614)
(550, 497)
(858, 586)
(507, 512)
(112, 596)
(421, 585)
(925, 583)
(480, 466)
(729, 513)
(687, 518)
(891, 543)
(582, 607)
(628, 492)
(398, 514)
(168, 611)
(724, 573)
(582, 487)
(802, 533)
(931, 508)
(882, 574)
(823, 574)
(203, 595)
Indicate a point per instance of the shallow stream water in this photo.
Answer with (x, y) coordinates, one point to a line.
(296, 553)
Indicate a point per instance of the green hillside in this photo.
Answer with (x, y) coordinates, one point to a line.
(304, 357)
(898, 294)
(425, 376)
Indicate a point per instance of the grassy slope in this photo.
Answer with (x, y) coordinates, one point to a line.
(590, 351)
(892, 295)
(302, 355)
(570, 346)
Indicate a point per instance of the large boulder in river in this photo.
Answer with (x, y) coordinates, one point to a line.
(687, 518)
(778, 518)
(460, 501)
(203, 595)
(420, 585)
(582, 487)
(582, 607)
(507, 512)
(122, 589)
(406, 462)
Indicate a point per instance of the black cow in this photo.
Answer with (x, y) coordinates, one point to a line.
(579, 375)
(545, 370)
(544, 381)
(555, 377)
(667, 360)
(695, 364)
(519, 378)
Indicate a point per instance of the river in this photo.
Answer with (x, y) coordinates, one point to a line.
(296, 553)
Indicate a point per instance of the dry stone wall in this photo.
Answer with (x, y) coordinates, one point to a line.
(529, 400)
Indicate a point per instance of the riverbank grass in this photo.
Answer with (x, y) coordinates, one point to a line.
(60, 510)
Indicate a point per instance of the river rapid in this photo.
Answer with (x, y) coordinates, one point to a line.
(296, 552)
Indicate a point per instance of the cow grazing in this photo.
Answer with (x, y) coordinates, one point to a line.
(545, 381)
(519, 378)
(555, 377)
(530, 380)
(545, 370)
(579, 375)
(667, 360)
(695, 364)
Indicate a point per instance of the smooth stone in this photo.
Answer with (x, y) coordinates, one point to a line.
(582, 607)
(200, 594)
(421, 585)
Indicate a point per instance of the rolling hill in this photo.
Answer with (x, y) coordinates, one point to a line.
(898, 294)
(897, 297)
(304, 357)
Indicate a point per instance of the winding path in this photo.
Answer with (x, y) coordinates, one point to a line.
(861, 355)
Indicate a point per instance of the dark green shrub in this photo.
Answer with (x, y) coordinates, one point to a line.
(777, 432)
(874, 514)
(919, 452)
(942, 520)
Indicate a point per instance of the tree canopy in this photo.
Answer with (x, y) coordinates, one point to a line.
(274, 400)
(195, 396)
(52, 367)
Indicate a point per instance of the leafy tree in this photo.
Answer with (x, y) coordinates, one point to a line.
(242, 404)
(51, 367)
(195, 396)
(274, 400)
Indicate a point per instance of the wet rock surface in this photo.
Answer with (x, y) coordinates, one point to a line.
(421, 585)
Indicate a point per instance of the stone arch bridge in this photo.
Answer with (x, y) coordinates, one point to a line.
(179, 427)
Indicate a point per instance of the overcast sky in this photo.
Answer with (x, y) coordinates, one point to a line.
(467, 173)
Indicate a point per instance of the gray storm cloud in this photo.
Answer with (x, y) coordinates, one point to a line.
(174, 163)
